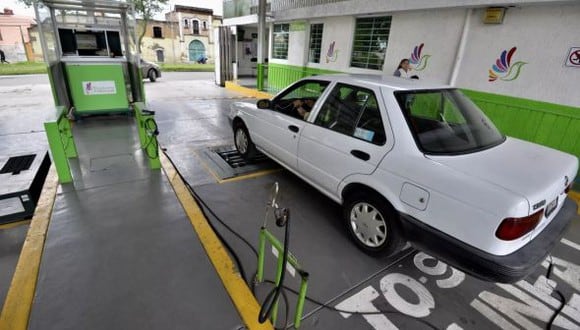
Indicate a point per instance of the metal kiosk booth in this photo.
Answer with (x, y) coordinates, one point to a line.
(93, 66)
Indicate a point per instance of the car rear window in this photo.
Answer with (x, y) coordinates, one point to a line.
(447, 122)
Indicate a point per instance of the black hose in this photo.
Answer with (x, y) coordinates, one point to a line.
(272, 297)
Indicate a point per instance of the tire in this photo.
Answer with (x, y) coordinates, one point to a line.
(386, 238)
(243, 142)
(152, 74)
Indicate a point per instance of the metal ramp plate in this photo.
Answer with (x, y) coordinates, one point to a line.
(225, 162)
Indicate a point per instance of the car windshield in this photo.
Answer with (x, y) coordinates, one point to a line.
(447, 122)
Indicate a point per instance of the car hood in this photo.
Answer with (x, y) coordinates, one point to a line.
(533, 171)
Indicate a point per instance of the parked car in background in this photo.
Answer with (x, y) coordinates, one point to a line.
(412, 161)
(150, 70)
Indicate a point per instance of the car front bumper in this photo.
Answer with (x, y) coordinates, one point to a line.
(507, 269)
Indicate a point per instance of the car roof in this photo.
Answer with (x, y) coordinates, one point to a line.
(382, 80)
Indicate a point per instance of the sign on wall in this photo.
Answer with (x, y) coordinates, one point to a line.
(103, 87)
(503, 68)
(573, 58)
(417, 59)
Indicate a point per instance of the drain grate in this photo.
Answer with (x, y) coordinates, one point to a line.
(15, 165)
(226, 162)
(235, 160)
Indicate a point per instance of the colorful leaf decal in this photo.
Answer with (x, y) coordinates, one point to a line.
(423, 63)
(330, 49)
(514, 71)
(510, 54)
(503, 60)
(503, 69)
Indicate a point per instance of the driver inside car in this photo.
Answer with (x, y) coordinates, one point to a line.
(303, 107)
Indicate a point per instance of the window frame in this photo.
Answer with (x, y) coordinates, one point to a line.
(310, 42)
(282, 32)
(298, 84)
(160, 29)
(369, 51)
(194, 24)
(356, 88)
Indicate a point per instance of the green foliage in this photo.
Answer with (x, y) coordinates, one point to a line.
(22, 68)
(187, 67)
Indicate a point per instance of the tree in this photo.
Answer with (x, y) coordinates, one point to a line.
(145, 9)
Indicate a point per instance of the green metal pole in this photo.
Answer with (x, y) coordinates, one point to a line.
(300, 302)
(279, 270)
(59, 158)
(261, 255)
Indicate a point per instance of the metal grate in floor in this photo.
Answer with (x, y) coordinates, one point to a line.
(15, 165)
(226, 162)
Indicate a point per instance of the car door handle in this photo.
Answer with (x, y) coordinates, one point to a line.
(293, 128)
(360, 154)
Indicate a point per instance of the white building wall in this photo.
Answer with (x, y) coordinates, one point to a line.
(438, 30)
(543, 37)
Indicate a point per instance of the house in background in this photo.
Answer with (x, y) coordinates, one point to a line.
(194, 32)
(14, 37)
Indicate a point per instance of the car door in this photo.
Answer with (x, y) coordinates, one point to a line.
(349, 135)
(278, 129)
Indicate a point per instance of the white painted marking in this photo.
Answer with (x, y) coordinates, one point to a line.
(438, 269)
(454, 326)
(421, 309)
(521, 312)
(570, 244)
(457, 277)
(492, 315)
(567, 271)
(289, 267)
(363, 302)
(423, 279)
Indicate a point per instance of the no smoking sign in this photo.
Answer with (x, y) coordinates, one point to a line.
(573, 58)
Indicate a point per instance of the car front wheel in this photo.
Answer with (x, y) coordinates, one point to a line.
(243, 143)
(373, 224)
(152, 75)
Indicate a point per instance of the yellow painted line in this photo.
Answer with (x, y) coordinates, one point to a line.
(18, 303)
(250, 176)
(249, 92)
(576, 197)
(14, 224)
(241, 296)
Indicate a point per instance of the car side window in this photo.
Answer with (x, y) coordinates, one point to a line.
(303, 95)
(353, 111)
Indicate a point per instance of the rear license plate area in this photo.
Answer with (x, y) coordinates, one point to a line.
(551, 207)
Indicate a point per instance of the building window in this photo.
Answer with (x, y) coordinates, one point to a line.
(186, 23)
(315, 43)
(281, 36)
(157, 32)
(204, 24)
(371, 36)
(195, 26)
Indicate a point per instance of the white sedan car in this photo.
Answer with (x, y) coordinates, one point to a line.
(410, 161)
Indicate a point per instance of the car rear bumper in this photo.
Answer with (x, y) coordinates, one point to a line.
(507, 269)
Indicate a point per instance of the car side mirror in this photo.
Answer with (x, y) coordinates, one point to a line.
(264, 104)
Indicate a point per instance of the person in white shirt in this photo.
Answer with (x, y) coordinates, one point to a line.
(403, 70)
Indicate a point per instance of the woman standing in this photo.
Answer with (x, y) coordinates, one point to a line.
(403, 70)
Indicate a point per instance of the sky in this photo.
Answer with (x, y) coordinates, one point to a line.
(216, 5)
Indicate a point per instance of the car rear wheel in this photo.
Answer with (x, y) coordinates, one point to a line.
(243, 143)
(373, 224)
(152, 75)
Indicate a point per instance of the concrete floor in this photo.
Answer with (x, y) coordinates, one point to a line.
(419, 291)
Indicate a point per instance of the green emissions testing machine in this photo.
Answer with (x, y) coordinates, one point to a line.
(93, 65)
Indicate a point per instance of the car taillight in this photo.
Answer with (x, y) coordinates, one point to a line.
(512, 228)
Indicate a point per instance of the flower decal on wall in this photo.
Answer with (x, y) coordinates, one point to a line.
(332, 53)
(418, 60)
(504, 69)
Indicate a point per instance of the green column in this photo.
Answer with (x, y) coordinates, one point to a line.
(261, 76)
